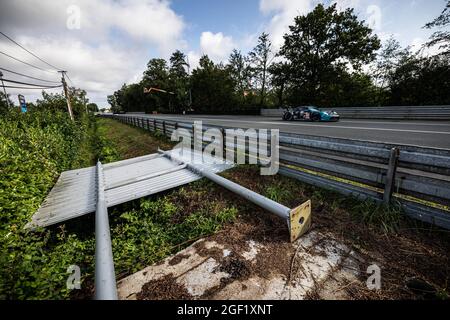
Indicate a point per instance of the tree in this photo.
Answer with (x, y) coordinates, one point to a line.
(92, 107)
(279, 79)
(261, 58)
(112, 100)
(387, 62)
(420, 81)
(320, 46)
(239, 71)
(354, 89)
(156, 73)
(4, 107)
(57, 101)
(212, 88)
(179, 80)
(441, 37)
(157, 76)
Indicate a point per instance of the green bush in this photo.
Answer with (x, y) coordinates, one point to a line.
(34, 148)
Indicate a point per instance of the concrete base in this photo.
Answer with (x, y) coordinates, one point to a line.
(313, 265)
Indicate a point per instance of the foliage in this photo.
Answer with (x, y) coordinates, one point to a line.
(420, 81)
(327, 60)
(92, 107)
(279, 79)
(441, 38)
(212, 87)
(261, 57)
(178, 82)
(34, 148)
(320, 47)
(240, 72)
(5, 105)
(58, 102)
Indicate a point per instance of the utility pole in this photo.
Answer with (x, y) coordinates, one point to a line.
(66, 93)
(4, 89)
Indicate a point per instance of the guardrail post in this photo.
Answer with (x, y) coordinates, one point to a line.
(193, 137)
(390, 175)
(154, 125)
(148, 124)
(224, 143)
(164, 127)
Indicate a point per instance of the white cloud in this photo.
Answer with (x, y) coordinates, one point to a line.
(217, 46)
(284, 12)
(374, 17)
(112, 46)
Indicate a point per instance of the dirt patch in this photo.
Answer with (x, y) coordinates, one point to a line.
(177, 259)
(271, 232)
(404, 255)
(273, 256)
(236, 267)
(203, 251)
(413, 251)
(165, 288)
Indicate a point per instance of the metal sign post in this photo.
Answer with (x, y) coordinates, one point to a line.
(23, 104)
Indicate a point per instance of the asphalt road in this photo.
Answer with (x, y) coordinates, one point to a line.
(425, 133)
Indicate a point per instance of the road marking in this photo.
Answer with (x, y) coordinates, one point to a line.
(399, 122)
(312, 125)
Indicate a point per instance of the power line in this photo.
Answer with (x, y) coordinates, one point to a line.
(26, 83)
(29, 64)
(29, 51)
(24, 75)
(70, 80)
(43, 88)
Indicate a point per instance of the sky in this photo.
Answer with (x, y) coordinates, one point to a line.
(106, 43)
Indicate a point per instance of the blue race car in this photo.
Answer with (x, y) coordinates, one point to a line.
(309, 114)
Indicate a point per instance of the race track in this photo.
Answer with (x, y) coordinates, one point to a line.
(425, 133)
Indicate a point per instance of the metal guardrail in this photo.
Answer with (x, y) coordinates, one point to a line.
(394, 112)
(418, 178)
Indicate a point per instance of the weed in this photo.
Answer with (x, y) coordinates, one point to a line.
(387, 218)
(277, 192)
